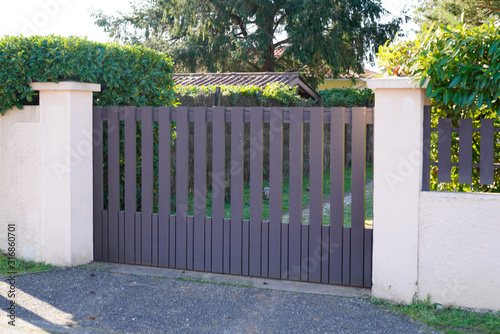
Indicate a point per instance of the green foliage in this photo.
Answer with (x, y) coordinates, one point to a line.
(447, 319)
(276, 90)
(347, 97)
(19, 266)
(462, 64)
(315, 37)
(128, 75)
(444, 12)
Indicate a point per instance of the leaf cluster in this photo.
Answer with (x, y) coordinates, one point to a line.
(462, 65)
(287, 95)
(129, 75)
(347, 97)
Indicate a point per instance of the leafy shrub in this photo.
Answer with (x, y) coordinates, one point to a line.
(129, 75)
(347, 97)
(276, 90)
(462, 64)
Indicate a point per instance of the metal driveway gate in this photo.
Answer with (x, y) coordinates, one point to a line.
(186, 188)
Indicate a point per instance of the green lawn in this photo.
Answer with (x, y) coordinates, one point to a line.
(7, 267)
(447, 320)
(305, 199)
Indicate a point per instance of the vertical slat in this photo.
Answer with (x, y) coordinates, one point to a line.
(97, 142)
(358, 182)
(218, 159)
(130, 183)
(465, 151)
(368, 258)
(154, 239)
(121, 237)
(325, 257)
(164, 151)
(295, 191)
(138, 239)
(189, 242)
(172, 244)
(113, 181)
(276, 189)
(227, 246)
(303, 268)
(444, 150)
(265, 249)
(285, 269)
(337, 163)
(245, 247)
(315, 193)
(236, 189)
(182, 171)
(147, 184)
(486, 157)
(346, 256)
(105, 234)
(256, 166)
(426, 159)
(200, 186)
(208, 244)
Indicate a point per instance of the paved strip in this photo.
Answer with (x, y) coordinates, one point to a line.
(92, 301)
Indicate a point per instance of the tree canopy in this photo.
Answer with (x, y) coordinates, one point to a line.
(315, 37)
(475, 12)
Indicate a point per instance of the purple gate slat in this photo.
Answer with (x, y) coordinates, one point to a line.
(303, 267)
(337, 163)
(172, 243)
(325, 256)
(276, 190)
(113, 182)
(444, 150)
(155, 218)
(426, 158)
(182, 171)
(237, 190)
(487, 153)
(130, 185)
(295, 193)
(358, 184)
(164, 151)
(245, 246)
(147, 184)
(265, 249)
(315, 193)
(218, 170)
(227, 246)
(200, 186)
(256, 166)
(189, 242)
(368, 258)
(465, 151)
(98, 180)
(346, 256)
(285, 270)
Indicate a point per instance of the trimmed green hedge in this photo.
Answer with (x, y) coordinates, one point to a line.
(276, 90)
(347, 97)
(129, 75)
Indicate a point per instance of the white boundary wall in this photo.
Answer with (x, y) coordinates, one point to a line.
(46, 175)
(446, 245)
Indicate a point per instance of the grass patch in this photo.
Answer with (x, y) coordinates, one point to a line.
(214, 282)
(447, 320)
(19, 266)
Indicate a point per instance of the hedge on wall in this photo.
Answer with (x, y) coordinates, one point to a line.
(129, 75)
(287, 95)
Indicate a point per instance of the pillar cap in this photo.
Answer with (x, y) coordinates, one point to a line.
(66, 86)
(394, 82)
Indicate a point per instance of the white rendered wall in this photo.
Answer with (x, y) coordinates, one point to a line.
(20, 180)
(459, 249)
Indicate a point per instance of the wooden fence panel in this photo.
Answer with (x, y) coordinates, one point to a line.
(182, 170)
(486, 158)
(147, 184)
(444, 150)
(130, 185)
(164, 138)
(200, 186)
(113, 182)
(98, 181)
(465, 151)
(218, 171)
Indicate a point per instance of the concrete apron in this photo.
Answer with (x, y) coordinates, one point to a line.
(263, 283)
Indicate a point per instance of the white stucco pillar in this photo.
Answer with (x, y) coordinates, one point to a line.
(66, 172)
(397, 183)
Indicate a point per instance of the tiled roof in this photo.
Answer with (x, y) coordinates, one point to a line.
(260, 79)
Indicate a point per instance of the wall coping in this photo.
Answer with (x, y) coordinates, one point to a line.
(459, 195)
(66, 86)
(394, 82)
